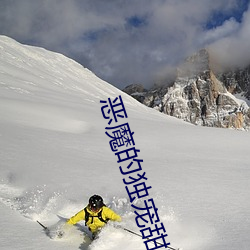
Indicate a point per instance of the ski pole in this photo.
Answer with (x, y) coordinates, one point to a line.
(45, 228)
(147, 238)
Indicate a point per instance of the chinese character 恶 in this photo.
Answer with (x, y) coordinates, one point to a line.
(113, 109)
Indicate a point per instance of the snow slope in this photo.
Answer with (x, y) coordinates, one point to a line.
(55, 154)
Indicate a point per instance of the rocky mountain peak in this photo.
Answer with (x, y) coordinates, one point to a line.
(202, 97)
(196, 64)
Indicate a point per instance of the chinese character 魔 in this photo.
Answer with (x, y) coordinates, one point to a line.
(122, 136)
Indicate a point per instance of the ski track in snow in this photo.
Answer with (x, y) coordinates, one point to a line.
(32, 204)
(38, 204)
(43, 117)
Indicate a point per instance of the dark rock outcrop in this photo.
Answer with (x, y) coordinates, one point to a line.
(200, 96)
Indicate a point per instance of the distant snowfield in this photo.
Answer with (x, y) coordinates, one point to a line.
(55, 154)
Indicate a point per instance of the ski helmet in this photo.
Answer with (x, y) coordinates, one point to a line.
(95, 202)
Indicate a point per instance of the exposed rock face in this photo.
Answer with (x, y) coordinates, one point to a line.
(199, 97)
(137, 91)
(237, 81)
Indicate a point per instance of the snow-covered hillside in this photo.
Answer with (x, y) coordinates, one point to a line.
(55, 154)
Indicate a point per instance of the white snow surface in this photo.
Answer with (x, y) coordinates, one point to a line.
(55, 155)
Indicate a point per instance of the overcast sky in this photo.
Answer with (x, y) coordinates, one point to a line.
(131, 41)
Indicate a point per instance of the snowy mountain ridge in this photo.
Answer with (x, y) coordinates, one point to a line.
(53, 144)
(55, 154)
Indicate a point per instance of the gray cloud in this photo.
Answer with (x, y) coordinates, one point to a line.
(123, 42)
(233, 49)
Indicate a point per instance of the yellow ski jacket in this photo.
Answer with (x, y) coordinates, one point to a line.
(94, 223)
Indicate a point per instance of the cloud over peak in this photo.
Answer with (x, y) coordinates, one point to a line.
(127, 42)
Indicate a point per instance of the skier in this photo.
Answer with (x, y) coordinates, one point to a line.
(95, 214)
